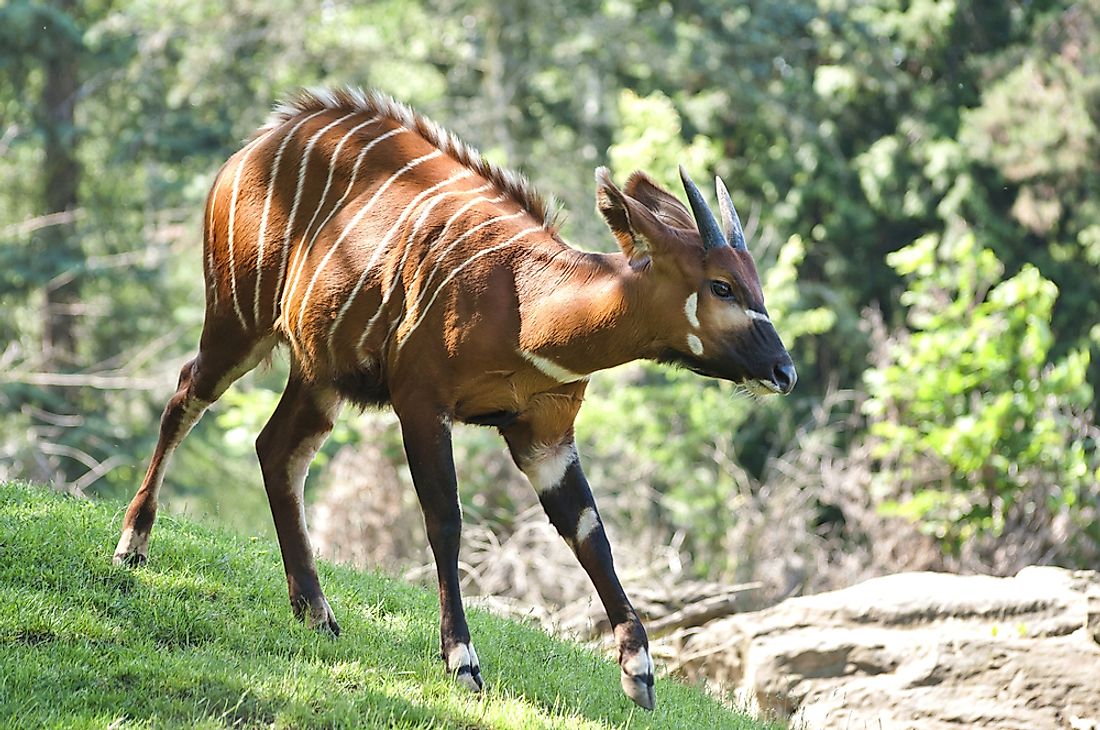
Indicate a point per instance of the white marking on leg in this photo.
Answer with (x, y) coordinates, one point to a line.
(458, 269)
(546, 466)
(232, 218)
(190, 412)
(586, 523)
(695, 344)
(132, 543)
(636, 679)
(753, 314)
(463, 655)
(691, 309)
(349, 227)
(302, 257)
(639, 665)
(272, 176)
(550, 368)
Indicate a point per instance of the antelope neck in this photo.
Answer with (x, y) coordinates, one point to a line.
(591, 314)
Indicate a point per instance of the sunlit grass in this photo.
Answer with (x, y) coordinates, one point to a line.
(203, 637)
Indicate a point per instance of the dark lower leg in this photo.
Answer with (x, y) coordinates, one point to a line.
(286, 446)
(572, 510)
(428, 447)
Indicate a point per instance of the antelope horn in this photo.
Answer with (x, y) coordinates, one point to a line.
(704, 218)
(731, 222)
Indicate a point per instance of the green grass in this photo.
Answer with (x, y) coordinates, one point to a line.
(203, 637)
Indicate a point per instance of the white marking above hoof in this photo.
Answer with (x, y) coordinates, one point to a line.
(133, 548)
(637, 680)
(462, 663)
(322, 619)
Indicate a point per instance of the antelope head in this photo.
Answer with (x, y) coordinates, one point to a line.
(702, 291)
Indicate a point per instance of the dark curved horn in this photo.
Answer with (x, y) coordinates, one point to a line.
(731, 222)
(704, 218)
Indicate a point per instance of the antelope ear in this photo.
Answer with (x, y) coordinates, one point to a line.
(613, 206)
(641, 232)
(661, 202)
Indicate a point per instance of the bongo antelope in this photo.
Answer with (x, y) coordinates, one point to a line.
(399, 267)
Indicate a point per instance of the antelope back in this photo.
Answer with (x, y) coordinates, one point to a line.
(343, 220)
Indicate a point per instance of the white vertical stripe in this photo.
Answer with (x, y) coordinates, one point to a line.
(303, 167)
(423, 217)
(400, 264)
(232, 219)
(469, 204)
(351, 184)
(347, 229)
(442, 235)
(272, 175)
(442, 256)
(321, 204)
(211, 277)
(455, 272)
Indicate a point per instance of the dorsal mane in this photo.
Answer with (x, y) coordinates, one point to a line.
(350, 99)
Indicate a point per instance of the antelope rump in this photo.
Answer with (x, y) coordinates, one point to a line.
(399, 267)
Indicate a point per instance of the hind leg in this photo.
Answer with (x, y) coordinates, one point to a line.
(286, 446)
(201, 382)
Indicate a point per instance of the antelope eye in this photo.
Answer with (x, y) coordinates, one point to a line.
(721, 289)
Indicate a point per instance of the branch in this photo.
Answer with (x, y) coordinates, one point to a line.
(43, 221)
(94, 474)
(703, 611)
(85, 380)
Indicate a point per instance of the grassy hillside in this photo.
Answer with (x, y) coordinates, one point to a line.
(203, 637)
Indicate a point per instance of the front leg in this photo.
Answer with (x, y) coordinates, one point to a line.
(427, 437)
(554, 470)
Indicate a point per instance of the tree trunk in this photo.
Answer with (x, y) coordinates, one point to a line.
(61, 174)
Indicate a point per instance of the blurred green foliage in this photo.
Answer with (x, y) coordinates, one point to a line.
(846, 130)
(969, 409)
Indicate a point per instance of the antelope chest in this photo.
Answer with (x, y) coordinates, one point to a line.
(499, 397)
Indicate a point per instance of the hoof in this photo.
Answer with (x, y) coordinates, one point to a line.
(637, 680)
(317, 615)
(130, 560)
(133, 548)
(463, 666)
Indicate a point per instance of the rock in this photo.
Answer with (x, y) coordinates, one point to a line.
(917, 650)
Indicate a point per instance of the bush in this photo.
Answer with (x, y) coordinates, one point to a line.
(981, 434)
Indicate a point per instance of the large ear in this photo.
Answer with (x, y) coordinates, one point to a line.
(664, 204)
(637, 229)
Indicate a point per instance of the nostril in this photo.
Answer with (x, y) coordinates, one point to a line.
(785, 377)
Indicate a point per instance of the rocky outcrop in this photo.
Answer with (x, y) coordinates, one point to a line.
(917, 650)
